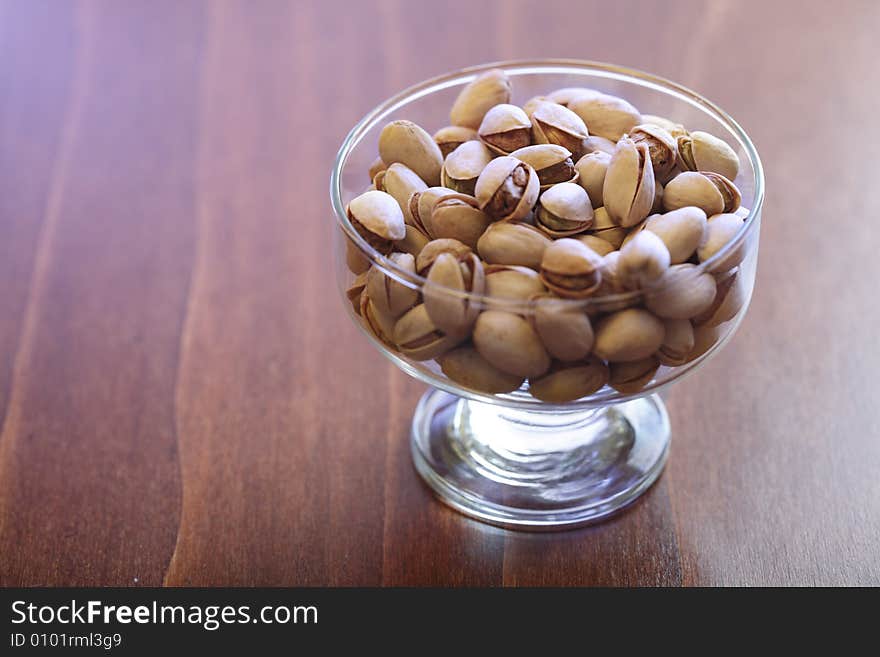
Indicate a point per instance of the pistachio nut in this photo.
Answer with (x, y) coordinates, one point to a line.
(628, 335)
(721, 229)
(453, 136)
(708, 191)
(377, 217)
(681, 293)
(678, 342)
(509, 343)
(459, 217)
(417, 337)
(682, 231)
(512, 282)
(595, 143)
(434, 248)
(661, 146)
(401, 182)
(606, 115)
(405, 142)
(556, 124)
(354, 291)
(591, 169)
(705, 337)
(464, 165)
(505, 128)
(597, 244)
(568, 382)
(507, 189)
(469, 369)
(380, 324)
(452, 313)
(551, 162)
(730, 297)
(628, 191)
(566, 332)
(571, 269)
(563, 210)
(478, 97)
(413, 241)
(673, 128)
(389, 295)
(513, 243)
(700, 151)
(429, 253)
(605, 228)
(642, 261)
(631, 377)
(376, 166)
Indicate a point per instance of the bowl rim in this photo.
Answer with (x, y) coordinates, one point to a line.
(552, 65)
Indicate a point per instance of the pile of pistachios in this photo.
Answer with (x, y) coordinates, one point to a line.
(561, 242)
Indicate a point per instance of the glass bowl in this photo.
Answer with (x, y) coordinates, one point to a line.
(510, 459)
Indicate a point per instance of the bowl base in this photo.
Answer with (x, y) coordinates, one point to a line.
(536, 470)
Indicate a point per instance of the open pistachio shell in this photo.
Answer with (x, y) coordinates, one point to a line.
(378, 218)
(389, 295)
(464, 165)
(566, 332)
(551, 162)
(605, 228)
(401, 182)
(711, 192)
(453, 136)
(434, 248)
(591, 169)
(421, 205)
(564, 210)
(413, 241)
(469, 369)
(628, 335)
(451, 313)
(417, 337)
(705, 337)
(731, 296)
(507, 189)
(354, 291)
(606, 115)
(556, 124)
(720, 230)
(673, 128)
(661, 146)
(642, 261)
(513, 243)
(511, 283)
(678, 342)
(682, 231)
(509, 343)
(628, 190)
(571, 269)
(459, 217)
(478, 97)
(701, 151)
(377, 166)
(405, 142)
(378, 323)
(681, 293)
(568, 382)
(631, 377)
(505, 128)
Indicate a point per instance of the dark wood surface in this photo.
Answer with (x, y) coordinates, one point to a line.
(183, 400)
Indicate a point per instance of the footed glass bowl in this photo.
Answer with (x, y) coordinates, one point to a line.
(510, 459)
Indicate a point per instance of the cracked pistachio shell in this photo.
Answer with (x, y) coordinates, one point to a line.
(405, 142)
(606, 115)
(597, 244)
(628, 335)
(630, 377)
(721, 229)
(628, 191)
(466, 367)
(701, 151)
(566, 332)
(458, 217)
(563, 210)
(453, 136)
(678, 342)
(434, 248)
(378, 218)
(551, 162)
(507, 189)
(505, 128)
(513, 243)
(673, 128)
(378, 323)
(478, 97)
(390, 296)
(682, 231)
(591, 169)
(642, 261)
(681, 293)
(421, 206)
(712, 193)
(571, 269)
(605, 228)
(464, 165)
(661, 146)
(354, 291)
(401, 182)
(417, 337)
(377, 166)
(730, 297)
(454, 314)
(413, 241)
(509, 343)
(705, 337)
(568, 382)
(556, 124)
(513, 283)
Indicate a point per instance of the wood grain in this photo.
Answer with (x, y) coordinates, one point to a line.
(183, 400)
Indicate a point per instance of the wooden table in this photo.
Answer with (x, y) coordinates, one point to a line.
(183, 400)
